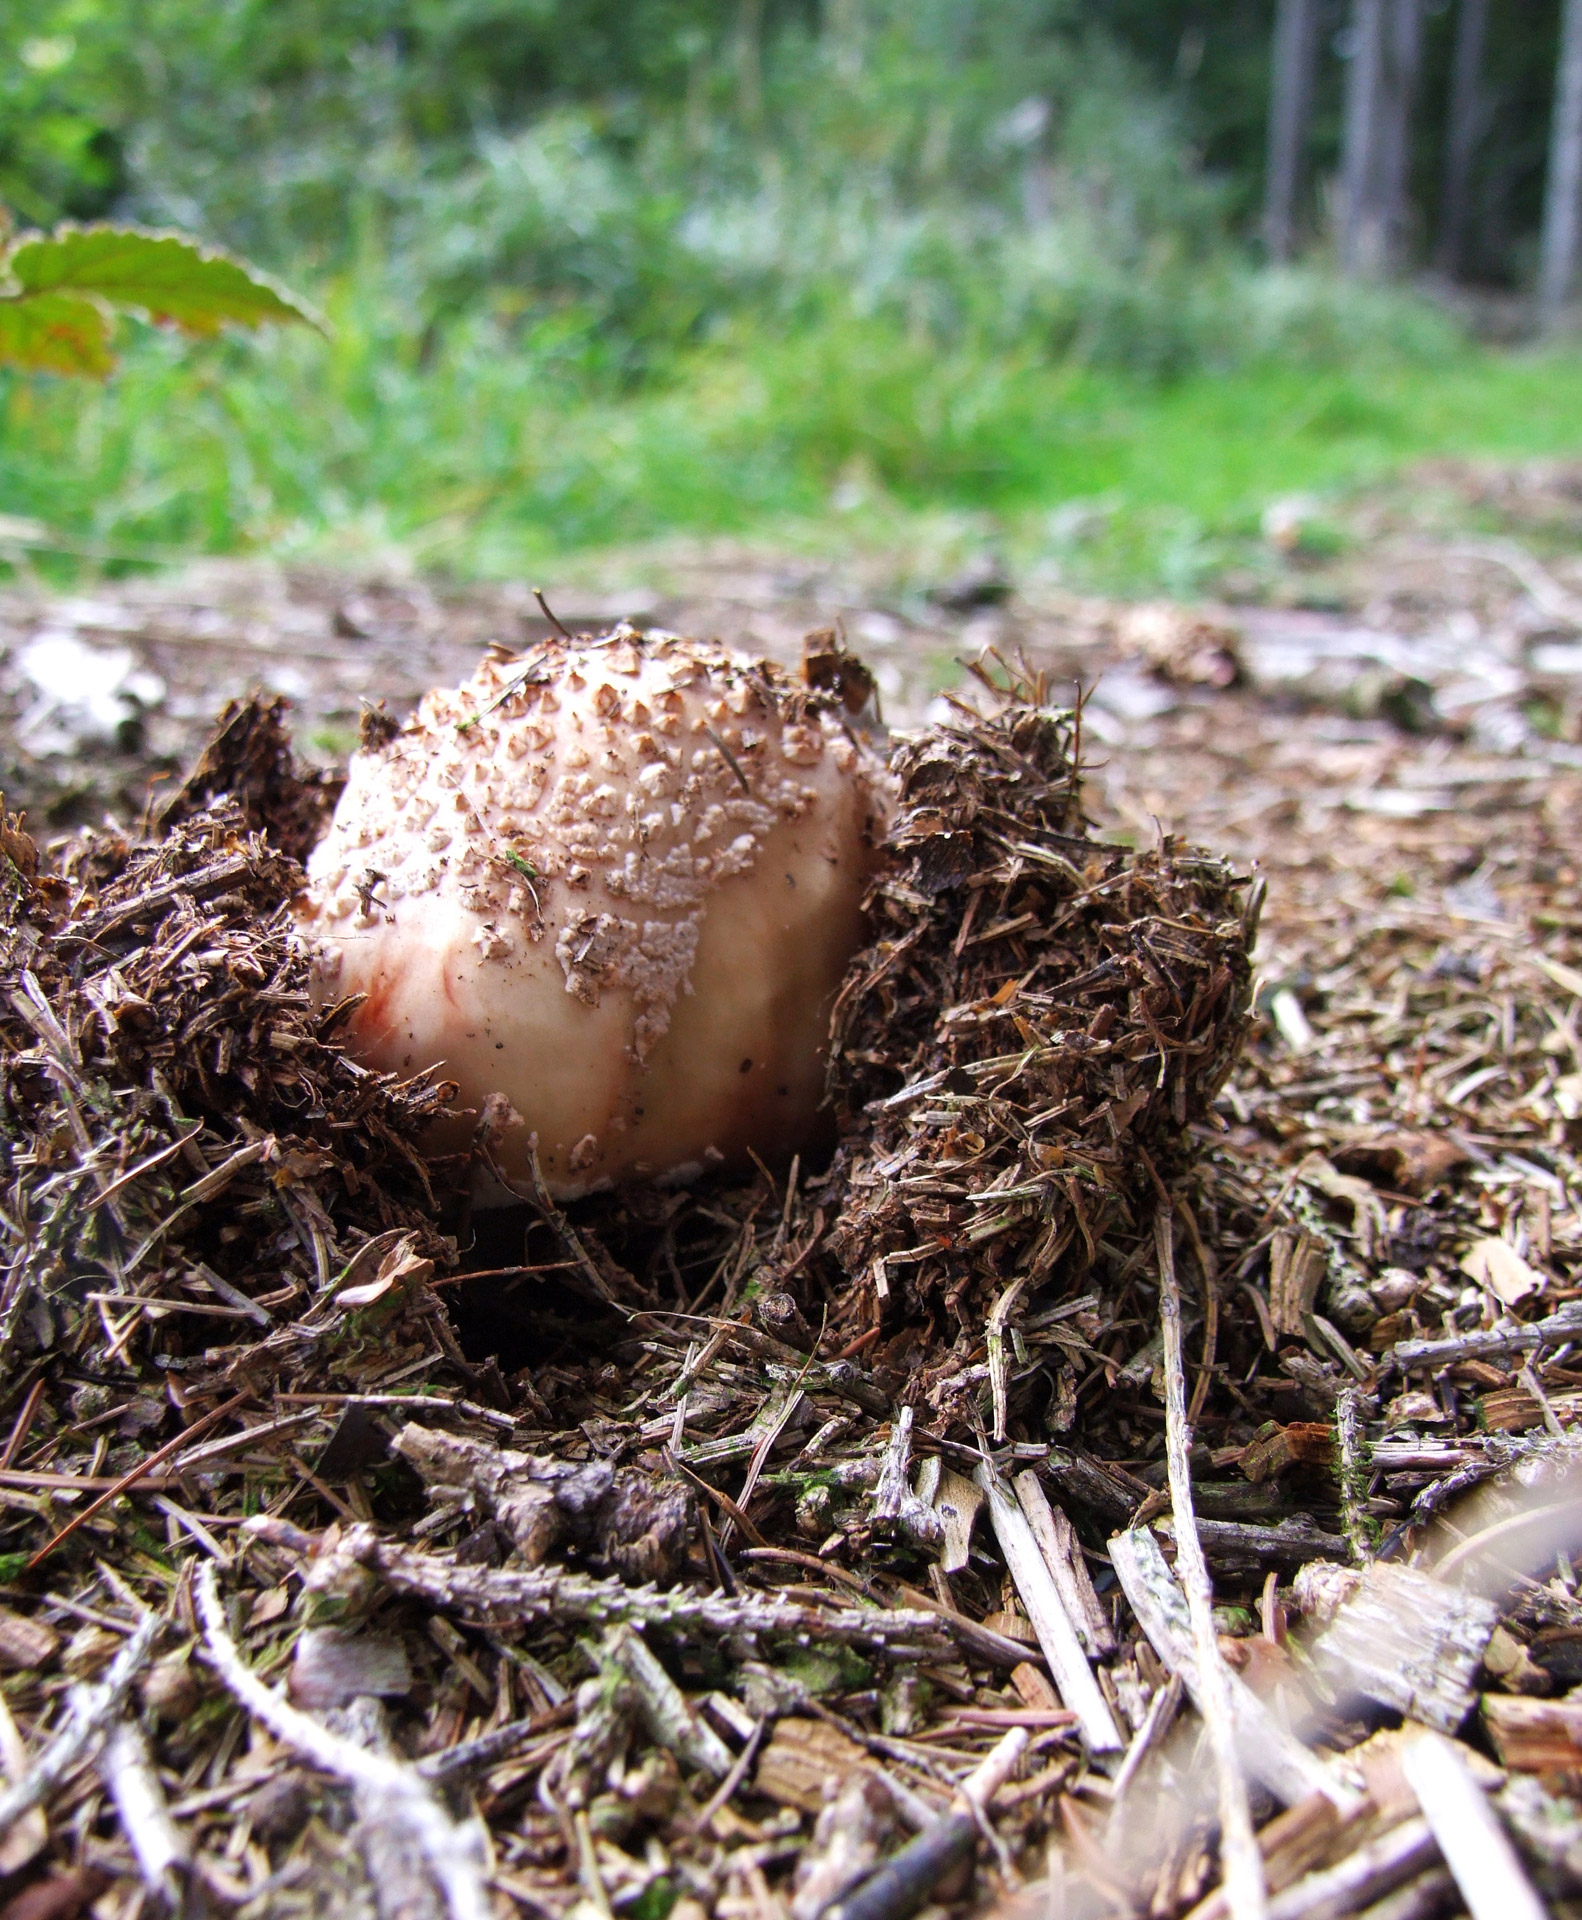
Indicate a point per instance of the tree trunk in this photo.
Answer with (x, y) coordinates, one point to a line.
(1563, 189)
(1462, 134)
(1290, 115)
(1375, 162)
(749, 64)
(1360, 136)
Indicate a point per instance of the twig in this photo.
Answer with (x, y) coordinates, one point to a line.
(588, 1874)
(1209, 1270)
(832, 1376)
(1361, 1877)
(211, 1450)
(563, 1230)
(393, 1858)
(909, 1878)
(974, 1638)
(143, 1467)
(664, 1707)
(1056, 1635)
(214, 1182)
(729, 758)
(532, 673)
(721, 1499)
(1564, 1324)
(1057, 1542)
(24, 1421)
(1242, 1862)
(445, 1848)
(999, 1365)
(414, 1402)
(142, 906)
(1423, 1898)
(1351, 1445)
(893, 1498)
(1273, 1756)
(509, 1597)
(791, 1399)
(1490, 1877)
(489, 1749)
(127, 1770)
(551, 616)
(90, 1710)
(30, 1836)
(1528, 1374)
(1162, 1710)
(738, 1773)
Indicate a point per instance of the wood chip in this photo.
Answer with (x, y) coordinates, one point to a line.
(25, 1642)
(1534, 1736)
(803, 1759)
(1411, 1643)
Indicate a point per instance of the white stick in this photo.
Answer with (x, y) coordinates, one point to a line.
(1058, 1545)
(128, 1773)
(1477, 1850)
(91, 1709)
(1056, 1635)
(1242, 1864)
(992, 1772)
(443, 1845)
(1269, 1751)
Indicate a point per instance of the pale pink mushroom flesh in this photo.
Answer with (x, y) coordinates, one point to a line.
(616, 883)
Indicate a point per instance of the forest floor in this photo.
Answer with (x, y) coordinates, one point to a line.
(1390, 734)
(1395, 704)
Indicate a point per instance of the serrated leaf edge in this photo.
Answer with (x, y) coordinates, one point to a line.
(11, 289)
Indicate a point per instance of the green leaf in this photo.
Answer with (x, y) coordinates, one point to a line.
(164, 275)
(56, 333)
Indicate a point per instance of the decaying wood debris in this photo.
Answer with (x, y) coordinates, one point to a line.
(830, 1544)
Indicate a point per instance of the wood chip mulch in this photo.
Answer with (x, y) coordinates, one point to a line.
(826, 1542)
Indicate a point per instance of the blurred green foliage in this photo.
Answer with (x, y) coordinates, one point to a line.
(990, 171)
(483, 462)
(603, 268)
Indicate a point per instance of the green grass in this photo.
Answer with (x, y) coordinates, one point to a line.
(495, 458)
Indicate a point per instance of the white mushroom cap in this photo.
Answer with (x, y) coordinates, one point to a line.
(616, 882)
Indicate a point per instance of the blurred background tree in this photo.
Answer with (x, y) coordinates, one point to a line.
(890, 232)
(286, 124)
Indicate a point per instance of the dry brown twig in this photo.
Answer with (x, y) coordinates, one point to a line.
(908, 1879)
(505, 1596)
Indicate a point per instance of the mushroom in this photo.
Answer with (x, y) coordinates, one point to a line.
(615, 884)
